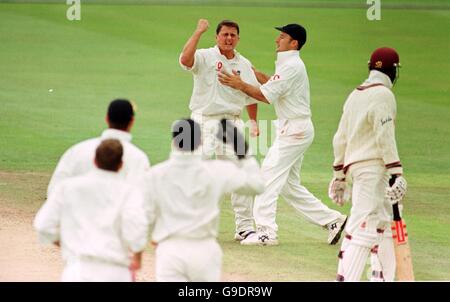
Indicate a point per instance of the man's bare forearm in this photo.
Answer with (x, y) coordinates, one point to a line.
(253, 92)
(260, 76)
(188, 53)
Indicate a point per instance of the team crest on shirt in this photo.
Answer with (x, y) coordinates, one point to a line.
(219, 66)
(275, 77)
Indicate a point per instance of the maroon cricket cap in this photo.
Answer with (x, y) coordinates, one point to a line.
(384, 58)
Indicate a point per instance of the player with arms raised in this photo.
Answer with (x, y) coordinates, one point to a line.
(211, 101)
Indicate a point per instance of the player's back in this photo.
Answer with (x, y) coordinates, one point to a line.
(91, 216)
(79, 159)
(359, 130)
(185, 192)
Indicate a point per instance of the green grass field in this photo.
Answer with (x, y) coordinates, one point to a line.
(132, 51)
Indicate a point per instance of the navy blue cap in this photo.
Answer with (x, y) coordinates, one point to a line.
(296, 31)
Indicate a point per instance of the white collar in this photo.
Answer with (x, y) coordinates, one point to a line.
(105, 173)
(376, 76)
(188, 157)
(236, 54)
(283, 56)
(116, 134)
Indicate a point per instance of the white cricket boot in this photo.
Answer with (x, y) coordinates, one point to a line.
(260, 238)
(335, 230)
(267, 239)
(243, 235)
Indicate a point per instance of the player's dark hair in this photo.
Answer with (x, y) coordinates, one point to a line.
(108, 155)
(186, 134)
(228, 23)
(120, 113)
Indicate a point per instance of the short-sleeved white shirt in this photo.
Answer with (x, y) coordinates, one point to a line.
(288, 88)
(209, 96)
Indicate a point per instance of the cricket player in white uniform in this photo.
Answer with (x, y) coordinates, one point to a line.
(288, 91)
(78, 159)
(365, 152)
(211, 101)
(184, 193)
(98, 221)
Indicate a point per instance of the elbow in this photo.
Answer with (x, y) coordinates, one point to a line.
(186, 61)
(183, 60)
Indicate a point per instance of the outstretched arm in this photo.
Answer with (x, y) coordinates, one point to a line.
(235, 81)
(260, 76)
(188, 53)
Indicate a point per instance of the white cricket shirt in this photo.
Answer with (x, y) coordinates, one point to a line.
(288, 88)
(367, 127)
(209, 96)
(79, 159)
(96, 216)
(184, 192)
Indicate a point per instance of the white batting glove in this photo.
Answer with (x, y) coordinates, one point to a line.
(396, 192)
(336, 191)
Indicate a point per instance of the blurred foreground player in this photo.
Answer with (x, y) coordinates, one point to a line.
(98, 221)
(77, 160)
(184, 193)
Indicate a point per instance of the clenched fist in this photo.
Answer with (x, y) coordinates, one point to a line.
(202, 25)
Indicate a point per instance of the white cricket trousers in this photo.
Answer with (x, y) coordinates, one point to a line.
(91, 270)
(370, 216)
(281, 173)
(242, 205)
(188, 260)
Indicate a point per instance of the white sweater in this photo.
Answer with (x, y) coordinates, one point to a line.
(184, 192)
(79, 159)
(366, 131)
(95, 216)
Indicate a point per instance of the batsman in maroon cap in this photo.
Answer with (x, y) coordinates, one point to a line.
(365, 152)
